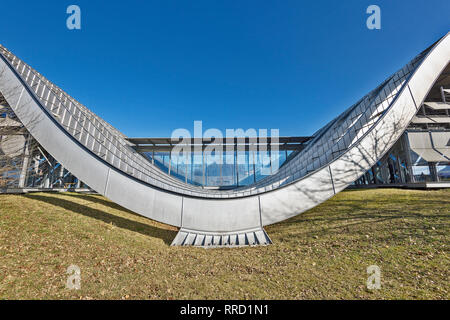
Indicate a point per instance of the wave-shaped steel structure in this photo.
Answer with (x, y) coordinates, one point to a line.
(337, 155)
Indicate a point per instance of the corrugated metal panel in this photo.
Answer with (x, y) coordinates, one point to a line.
(441, 142)
(431, 119)
(441, 139)
(419, 140)
(420, 143)
(445, 152)
(438, 105)
(430, 155)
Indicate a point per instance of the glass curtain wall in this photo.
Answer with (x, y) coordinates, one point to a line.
(402, 165)
(238, 168)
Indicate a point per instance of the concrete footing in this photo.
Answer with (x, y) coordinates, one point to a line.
(253, 237)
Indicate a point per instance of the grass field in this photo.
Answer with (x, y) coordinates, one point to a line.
(322, 254)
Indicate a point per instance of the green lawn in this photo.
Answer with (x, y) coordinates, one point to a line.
(322, 254)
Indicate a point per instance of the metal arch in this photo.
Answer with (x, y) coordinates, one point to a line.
(337, 155)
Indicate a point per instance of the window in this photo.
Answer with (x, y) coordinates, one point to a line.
(443, 172)
(421, 173)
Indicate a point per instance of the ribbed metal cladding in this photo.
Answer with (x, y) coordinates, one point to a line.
(113, 147)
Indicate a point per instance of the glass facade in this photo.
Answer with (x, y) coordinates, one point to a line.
(422, 154)
(23, 162)
(228, 169)
(403, 165)
(34, 168)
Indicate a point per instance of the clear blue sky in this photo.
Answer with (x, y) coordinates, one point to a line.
(149, 67)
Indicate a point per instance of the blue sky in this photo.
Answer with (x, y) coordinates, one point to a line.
(149, 67)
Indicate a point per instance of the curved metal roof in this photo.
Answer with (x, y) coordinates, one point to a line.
(105, 159)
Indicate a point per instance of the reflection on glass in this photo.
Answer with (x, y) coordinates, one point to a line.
(421, 173)
(443, 172)
(227, 169)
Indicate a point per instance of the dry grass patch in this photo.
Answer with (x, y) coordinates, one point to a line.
(322, 254)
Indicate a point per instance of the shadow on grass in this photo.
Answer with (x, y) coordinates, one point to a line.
(98, 199)
(166, 235)
(357, 215)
